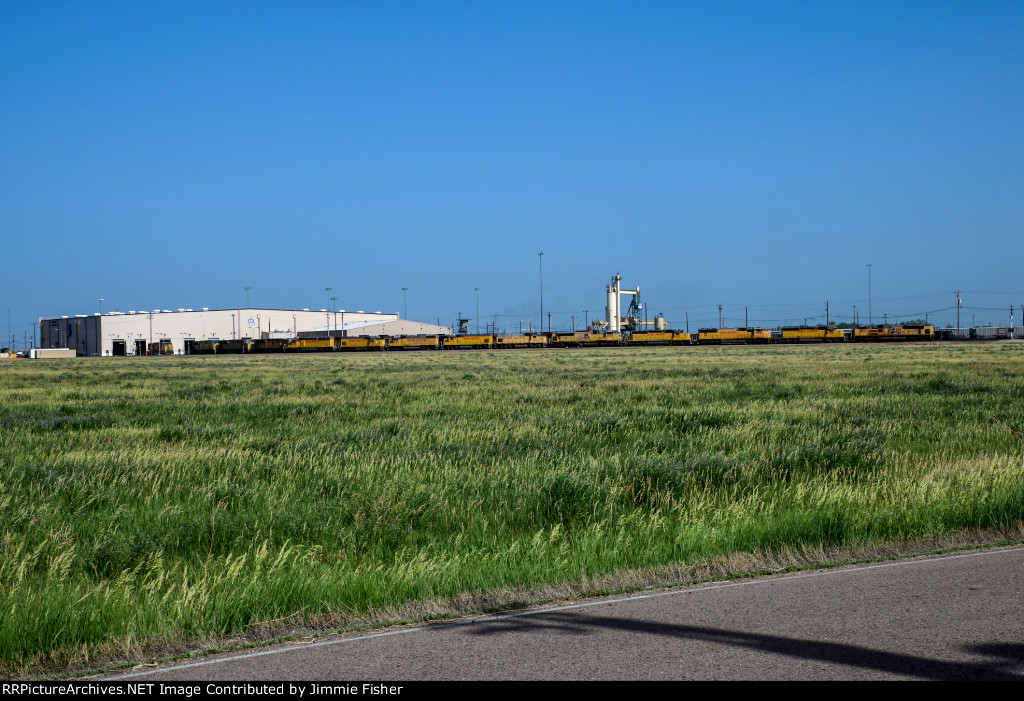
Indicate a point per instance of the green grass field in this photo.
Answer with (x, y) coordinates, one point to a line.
(152, 503)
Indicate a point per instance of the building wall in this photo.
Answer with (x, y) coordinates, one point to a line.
(398, 327)
(100, 335)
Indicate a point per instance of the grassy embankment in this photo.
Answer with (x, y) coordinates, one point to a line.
(149, 502)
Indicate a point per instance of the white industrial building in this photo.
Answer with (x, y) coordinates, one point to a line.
(142, 332)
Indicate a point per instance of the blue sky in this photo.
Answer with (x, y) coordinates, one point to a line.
(756, 155)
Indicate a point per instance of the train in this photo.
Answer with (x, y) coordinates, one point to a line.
(576, 339)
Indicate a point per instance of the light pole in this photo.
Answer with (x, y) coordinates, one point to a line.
(405, 303)
(870, 265)
(328, 310)
(335, 305)
(540, 258)
(100, 300)
(247, 288)
(477, 309)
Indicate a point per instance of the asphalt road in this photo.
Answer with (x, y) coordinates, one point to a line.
(958, 616)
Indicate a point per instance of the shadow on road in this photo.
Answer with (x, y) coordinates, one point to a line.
(1001, 655)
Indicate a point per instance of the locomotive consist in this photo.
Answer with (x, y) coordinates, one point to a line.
(577, 339)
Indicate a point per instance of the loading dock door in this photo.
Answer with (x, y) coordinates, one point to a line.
(140, 346)
(119, 347)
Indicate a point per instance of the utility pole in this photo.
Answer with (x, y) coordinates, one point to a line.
(746, 318)
(540, 259)
(405, 303)
(573, 317)
(826, 313)
(957, 293)
(477, 309)
(870, 265)
(719, 316)
(885, 317)
(586, 319)
(549, 323)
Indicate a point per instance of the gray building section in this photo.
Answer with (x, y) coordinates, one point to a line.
(376, 328)
(143, 332)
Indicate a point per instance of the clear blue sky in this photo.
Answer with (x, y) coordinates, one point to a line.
(750, 154)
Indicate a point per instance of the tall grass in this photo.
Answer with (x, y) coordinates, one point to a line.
(180, 498)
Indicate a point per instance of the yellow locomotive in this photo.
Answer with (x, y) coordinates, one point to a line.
(743, 335)
(652, 338)
(907, 332)
(468, 341)
(524, 340)
(579, 339)
(799, 334)
(415, 343)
